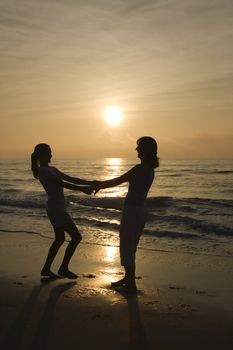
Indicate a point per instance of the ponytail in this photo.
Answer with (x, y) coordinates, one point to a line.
(34, 165)
(39, 151)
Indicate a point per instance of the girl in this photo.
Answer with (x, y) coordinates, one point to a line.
(52, 181)
(140, 179)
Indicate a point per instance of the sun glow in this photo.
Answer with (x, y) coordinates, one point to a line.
(114, 162)
(113, 115)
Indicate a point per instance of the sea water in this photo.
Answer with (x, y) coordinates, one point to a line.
(190, 204)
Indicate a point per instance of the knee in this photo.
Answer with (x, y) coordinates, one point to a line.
(76, 240)
(59, 241)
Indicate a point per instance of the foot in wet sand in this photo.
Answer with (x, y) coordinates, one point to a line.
(66, 273)
(128, 289)
(125, 286)
(48, 273)
(119, 283)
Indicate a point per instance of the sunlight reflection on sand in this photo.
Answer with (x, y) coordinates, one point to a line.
(111, 253)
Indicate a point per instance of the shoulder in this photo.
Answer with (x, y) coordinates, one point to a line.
(140, 168)
(46, 171)
(134, 172)
(145, 170)
(43, 171)
(55, 171)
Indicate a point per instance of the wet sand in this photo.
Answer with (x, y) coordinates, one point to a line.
(184, 301)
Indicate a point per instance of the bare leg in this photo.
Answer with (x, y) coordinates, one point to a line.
(128, 247)
(59, 239)
(130, 275)
(127, 284)
(75, 240)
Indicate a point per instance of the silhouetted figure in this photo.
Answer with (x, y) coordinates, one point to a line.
(140, 179)
(54, 181)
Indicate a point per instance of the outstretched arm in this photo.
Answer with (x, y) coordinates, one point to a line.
(117, 180)
(57, 181)
(77, 181)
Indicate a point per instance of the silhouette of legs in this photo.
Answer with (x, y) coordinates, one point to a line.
(130, 275)
(59, 240)
(131, 227)
(75, 240)
(128, 248)
(57, 243)
(128, 282)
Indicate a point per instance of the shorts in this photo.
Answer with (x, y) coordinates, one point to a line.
(59, 217)
(131, 227)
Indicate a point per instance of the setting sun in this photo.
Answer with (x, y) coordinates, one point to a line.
(113, 115)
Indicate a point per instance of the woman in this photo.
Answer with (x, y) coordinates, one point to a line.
(140, 179)
(54, 182)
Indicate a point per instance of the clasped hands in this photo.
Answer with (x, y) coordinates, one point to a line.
(95, 186)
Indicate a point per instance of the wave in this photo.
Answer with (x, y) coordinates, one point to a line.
(22, 204)
(191, 228)
(37, 200)
(189, 249)
(170, 234)
(154, 202)
(224, 172)
(187, 172)
(188, 223)
(160, 234)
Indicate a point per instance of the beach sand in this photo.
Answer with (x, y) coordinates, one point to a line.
(184, 301)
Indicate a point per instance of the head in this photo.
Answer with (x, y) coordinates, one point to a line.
(147, 151)
(42, 154)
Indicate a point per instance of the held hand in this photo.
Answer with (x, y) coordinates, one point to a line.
(96, 186)
(95, 183)
(96, 189)
(87, 189)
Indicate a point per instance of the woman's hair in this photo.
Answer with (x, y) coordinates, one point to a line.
(150, 148)
(39, 150)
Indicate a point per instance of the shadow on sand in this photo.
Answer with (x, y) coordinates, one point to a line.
(13, 339)
(137, 335)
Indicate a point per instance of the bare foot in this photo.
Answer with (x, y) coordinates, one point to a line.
(128, 289)
(48, 273)
(119, 283)
(68, 274)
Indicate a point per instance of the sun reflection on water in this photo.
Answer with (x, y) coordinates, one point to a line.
(114, 169)
(114, 161)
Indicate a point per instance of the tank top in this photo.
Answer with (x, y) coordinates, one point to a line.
(55, 192)
(139, 186)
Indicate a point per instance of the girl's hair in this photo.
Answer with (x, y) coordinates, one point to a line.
(150, 148)
(39, 150)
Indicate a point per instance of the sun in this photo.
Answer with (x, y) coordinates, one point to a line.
(113, 115)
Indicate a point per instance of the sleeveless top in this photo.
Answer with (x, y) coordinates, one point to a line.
(139, 186)
(56, 199)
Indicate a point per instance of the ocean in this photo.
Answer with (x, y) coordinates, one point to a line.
(190, 204)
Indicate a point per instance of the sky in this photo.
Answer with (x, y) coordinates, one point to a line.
(167, 63)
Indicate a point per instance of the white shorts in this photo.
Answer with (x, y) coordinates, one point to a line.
(132, 224)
